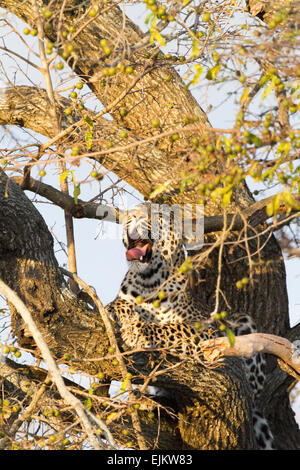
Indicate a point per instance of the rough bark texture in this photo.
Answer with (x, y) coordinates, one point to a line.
(29, 267)
(199, 396)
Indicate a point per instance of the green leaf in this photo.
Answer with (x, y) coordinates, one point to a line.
(284, 148)
(267, 90)
(255, 140)
(111, 415)
(213, 72)
(216, 193)
(263, 80)
(195, 50)
(227, 143)
(199, 70)
(226, 198)
(153, 22)
(64, 175)
(276, 203)
(270, 209)
(124, 385)
(76, 192)
(89, 122)
(88, 403)
(182, 186)
(244, 95)
(156, 36)
(159, 189)
(268, 175)
(186, 266)
(219, 143)
(289, 200)
(88, 139)
(231, 336)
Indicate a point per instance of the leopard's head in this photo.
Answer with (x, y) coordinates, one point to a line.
(150, 238)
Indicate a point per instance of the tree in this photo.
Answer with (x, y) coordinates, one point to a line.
(159, 140)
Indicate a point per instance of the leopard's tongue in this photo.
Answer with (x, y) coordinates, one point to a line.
(137, 252)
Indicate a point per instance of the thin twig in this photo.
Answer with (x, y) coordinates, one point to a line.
(56, 130)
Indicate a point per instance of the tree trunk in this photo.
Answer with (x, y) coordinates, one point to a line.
(29, 267)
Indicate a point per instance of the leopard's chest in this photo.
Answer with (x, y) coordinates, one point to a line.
(161, 315)
(149, 306)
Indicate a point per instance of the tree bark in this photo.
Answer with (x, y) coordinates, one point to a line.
(29, 267)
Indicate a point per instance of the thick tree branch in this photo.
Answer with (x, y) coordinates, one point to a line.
(136, 159)
(253, 216)
(80, 209)
(113, 25)
(249, 345)
(56, 377)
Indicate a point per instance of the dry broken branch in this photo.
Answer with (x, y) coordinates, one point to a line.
(248, 345)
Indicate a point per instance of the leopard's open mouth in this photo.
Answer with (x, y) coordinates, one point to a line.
(139, 250)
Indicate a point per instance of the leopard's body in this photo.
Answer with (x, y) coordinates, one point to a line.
(148, 319)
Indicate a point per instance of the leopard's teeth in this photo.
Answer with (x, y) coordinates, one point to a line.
(141, 258)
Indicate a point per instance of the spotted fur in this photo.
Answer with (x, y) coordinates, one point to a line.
(155, 264)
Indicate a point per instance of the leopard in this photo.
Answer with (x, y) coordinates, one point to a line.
(154, 309)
